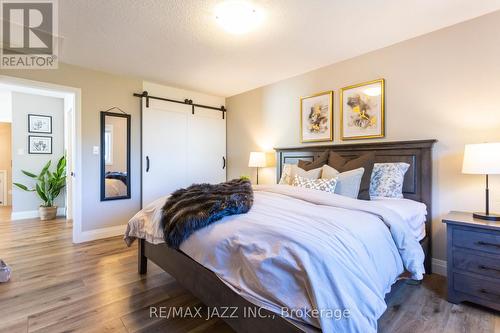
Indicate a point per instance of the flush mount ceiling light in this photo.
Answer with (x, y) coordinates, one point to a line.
(237, 16)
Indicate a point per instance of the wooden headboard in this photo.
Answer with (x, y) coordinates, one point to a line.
(418, 179)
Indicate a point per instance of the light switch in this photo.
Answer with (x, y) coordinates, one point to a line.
(95, 150)
(20, 151)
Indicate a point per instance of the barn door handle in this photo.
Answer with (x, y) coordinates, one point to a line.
(223, 162)
(147, 163)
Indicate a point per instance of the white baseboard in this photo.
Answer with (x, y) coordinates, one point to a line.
(90, 235)
(439, 266)
(33, 214)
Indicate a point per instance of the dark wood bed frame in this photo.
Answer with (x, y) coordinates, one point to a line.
(205, 285)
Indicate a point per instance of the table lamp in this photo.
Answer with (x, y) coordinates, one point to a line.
(257, 160)
(483, 159)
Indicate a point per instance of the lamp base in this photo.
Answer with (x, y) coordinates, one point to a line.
(484, 216)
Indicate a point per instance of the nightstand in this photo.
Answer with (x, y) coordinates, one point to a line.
(473, 260)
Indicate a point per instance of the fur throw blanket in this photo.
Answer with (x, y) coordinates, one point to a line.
(200, 205)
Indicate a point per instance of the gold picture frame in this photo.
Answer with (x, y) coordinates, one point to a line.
(317, 125)
(366, 111)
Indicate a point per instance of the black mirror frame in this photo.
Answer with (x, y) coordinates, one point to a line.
(105, 114)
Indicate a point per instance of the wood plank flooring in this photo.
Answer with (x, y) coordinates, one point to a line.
(94, 287)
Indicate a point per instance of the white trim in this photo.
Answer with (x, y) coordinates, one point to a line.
(73, 96)
(108, 145)
(439, 266)
(90, 235)
(33, 214)
(4, 189)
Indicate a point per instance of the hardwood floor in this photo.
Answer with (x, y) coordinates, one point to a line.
(94, 287)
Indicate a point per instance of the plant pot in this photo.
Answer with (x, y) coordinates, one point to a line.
(47, 213)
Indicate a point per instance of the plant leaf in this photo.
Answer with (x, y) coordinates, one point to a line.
(49, 184)
(45, 169)
(41, 194)
(23, 187)
(61, 165)
(29, 174)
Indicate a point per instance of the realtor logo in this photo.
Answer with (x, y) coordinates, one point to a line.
(29, 30)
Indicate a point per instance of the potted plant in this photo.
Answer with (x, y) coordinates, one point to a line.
(48, 187)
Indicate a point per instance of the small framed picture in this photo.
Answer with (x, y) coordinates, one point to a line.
(362, 111)
(39, 144)
(39, 124)
(316, 117)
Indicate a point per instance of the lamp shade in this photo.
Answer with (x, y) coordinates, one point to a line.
(257, 159)
(482, 158)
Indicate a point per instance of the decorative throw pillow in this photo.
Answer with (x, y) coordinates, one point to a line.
(290, 170)
(327, 185)
(318, 162)
(364, 161)
(387, 180)
(286, 175)
(347, 182)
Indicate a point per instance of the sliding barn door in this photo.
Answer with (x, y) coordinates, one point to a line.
(180, 149)
(164, 149)
(207, 147)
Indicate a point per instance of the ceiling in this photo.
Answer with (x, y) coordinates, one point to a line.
(178, 42)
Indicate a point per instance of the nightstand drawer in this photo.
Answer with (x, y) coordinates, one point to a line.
(487, 266)
(474, 240)
(479, 287)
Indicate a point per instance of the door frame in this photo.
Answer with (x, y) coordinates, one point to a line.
(4, 188)
(72, 138)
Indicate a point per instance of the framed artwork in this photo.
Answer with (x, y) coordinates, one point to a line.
(316, 117)
(39, 124)
(39, 144)
(362, 111)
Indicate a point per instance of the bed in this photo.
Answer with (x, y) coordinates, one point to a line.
(209, 288)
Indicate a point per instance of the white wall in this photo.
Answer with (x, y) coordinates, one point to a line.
(22, 105)
(444, 85)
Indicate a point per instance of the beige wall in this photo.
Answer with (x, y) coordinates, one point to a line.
(444, 85)
(6, 156)
(100, 91)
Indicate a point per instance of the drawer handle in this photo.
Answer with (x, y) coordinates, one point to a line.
(488, 244)
(484, 291)
(486, 268)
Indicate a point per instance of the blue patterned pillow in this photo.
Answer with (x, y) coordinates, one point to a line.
(387, 180)
(327, 185)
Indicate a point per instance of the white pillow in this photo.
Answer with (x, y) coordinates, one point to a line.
(327, 185)
(348, 182)
(387, 180)
(290, 170)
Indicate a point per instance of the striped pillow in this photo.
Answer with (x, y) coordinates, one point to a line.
(327, 185)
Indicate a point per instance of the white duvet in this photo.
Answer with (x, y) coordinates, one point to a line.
(300, 249)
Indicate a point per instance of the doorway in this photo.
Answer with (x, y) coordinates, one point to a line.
(58, 109)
